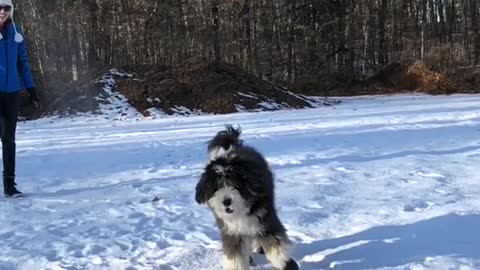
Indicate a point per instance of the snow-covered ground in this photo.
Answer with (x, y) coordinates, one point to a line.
(371, 183)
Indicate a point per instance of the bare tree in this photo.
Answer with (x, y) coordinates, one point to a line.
(475, 30)
(285, 41)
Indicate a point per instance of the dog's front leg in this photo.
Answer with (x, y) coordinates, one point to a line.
(236, 252)
(276, 249)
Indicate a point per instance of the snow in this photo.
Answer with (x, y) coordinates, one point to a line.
(376, 182)
(251, 96)
(113, 105)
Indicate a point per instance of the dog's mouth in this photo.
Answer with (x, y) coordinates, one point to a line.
(229, 210)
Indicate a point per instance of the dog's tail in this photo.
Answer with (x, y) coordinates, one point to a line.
(224, 142)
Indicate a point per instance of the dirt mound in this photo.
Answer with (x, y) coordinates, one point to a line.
(425, 80)
(396, 78)
(470, 76)
(207, 88)
(417, 77)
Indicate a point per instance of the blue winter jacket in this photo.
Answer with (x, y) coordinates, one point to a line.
(14, 71)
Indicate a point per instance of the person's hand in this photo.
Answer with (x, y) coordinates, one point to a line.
(34, 98)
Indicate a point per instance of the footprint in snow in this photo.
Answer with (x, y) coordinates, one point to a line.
(145, 189)
(430, 174)
(137, 185)
(344, 169)
(416, 205)
(408, 181)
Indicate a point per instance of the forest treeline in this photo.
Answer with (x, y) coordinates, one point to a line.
(287, 42)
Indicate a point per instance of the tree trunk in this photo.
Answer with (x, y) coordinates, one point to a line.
(466, 42)
(216, 30)
(291, 41)
(433, 18)
(475, 30)
(382, 42)
(442, 29)
(424, 28)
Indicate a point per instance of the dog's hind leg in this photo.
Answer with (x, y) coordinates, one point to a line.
(252, 262)
(256, 246)
(236, 252)
(276, 250)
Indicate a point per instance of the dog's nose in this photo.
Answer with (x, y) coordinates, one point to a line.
(227, 201)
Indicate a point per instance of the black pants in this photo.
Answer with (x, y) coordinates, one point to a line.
(8, 125)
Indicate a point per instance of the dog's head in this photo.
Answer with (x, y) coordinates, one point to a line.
(229, 187)
(224, 142)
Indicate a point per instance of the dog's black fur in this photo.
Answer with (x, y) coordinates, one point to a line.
(238, 186)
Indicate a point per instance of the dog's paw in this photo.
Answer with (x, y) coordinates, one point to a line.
(252, 262)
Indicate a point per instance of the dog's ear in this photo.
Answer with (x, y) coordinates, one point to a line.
(200, 190)
(256, 182)
(204, 189)
(255, 186)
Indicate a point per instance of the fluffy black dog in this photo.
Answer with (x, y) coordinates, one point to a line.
(238, 186)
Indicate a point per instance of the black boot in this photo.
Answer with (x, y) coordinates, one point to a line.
(9, 184)
(9, 188)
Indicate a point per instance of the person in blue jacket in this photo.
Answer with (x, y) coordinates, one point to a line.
(14, 76)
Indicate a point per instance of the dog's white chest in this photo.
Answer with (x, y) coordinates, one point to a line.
(242, 225)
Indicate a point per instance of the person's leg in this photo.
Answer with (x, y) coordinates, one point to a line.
(3, 122)
(9, 112)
